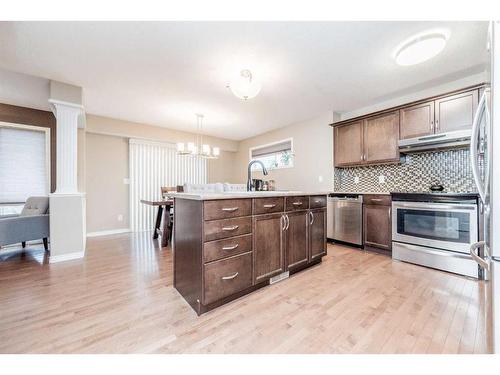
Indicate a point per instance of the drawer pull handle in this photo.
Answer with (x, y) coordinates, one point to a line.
(376, 200)
(231, 228)
(317, 201)
(269, 205)
(229, 209)
(297, 203)
(230, 247)
(230, 277)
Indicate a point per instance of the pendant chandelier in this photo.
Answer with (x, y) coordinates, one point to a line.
(198, 148)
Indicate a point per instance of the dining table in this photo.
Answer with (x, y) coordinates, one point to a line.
(164, 207)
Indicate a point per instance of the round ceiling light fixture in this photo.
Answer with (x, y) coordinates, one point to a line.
(421, 47)
(244, 85)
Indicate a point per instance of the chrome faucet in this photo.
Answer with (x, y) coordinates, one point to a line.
(249, 180)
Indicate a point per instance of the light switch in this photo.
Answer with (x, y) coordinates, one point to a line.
(120, 217)
(320, 178)
(126, 181)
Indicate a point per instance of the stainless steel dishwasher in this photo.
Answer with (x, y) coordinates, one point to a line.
(345, 214)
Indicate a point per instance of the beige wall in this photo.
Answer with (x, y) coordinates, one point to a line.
(313, 159)
(107, 195)
(106, 165)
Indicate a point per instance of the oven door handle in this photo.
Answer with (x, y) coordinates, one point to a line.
(482, 262)
(427, 206)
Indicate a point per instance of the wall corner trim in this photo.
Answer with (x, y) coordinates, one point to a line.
(108, 232)
(65, 257)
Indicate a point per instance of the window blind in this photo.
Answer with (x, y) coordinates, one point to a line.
(275, 148)
(23, 164)
(153, 165)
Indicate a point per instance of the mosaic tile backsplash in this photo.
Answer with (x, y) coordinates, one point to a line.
(416, 173)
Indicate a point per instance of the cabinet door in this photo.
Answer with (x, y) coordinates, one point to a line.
(317, 233)
(377, 226)
(348, 144)
(296, 238)
(380, 138)
(456, 112)
(268, 249)
(417, 120)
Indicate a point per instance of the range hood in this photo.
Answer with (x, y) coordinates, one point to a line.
(434, 142)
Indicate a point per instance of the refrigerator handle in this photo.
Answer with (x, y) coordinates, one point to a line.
(473, 148)
(484, 263)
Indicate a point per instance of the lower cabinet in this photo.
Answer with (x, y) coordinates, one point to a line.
(296, 228)
(377, 226)
(317, 234)
(268, 241)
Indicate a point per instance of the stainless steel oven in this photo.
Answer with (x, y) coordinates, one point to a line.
(447, 226)
(435, 232)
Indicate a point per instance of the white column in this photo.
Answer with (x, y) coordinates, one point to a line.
(67, 205)
(67, 127)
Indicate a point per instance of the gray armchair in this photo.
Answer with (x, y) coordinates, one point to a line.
(31, 224)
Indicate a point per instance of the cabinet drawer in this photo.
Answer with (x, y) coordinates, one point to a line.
(268, 205)
(227, 276)
(215, 250)
(317, 201)
(217, 229)
(226, 208)
(384, 200)
(297, 203)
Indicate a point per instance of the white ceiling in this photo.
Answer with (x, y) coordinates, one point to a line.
(162, 73)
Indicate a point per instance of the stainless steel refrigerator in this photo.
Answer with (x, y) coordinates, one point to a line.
(485, 162)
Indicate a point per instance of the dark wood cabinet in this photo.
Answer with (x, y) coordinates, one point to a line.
(317, 233)
(226, 248)
(370, 141)
(380, 138)
(377, 223)
(348, 149)
(455, 112)
(268, 246)
(296, 235)
(417, 120)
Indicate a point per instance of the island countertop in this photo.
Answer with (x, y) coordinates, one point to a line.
(243, 194)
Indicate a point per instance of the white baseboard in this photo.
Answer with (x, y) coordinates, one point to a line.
(65, 257)
(108, 232)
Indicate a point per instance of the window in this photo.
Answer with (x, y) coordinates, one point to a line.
(274, 155)
(24, 165)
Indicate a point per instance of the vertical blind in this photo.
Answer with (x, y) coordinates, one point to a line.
(24, 169)
(153, 165)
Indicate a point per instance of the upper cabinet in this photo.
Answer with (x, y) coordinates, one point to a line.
(417, 120)
(380, 138)
(455, 112)
(373, 139)
(369, 141)
(348, 144)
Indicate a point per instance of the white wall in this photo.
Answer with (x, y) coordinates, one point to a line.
(313, 159)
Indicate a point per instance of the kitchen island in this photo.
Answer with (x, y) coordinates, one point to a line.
(227, 245)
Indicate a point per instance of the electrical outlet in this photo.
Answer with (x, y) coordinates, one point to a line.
(381, 179)
(120, 217)
(356, 180)
(126, 181)
(320, 178)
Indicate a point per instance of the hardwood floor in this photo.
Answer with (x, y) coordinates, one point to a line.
(120, 299)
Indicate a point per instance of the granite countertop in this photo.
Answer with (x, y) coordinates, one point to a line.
(243, 194)
(361, 192)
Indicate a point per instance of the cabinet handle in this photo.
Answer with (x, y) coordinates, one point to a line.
(229, 209)
(297, 203)
(437, 125)
(283, 222)
(311, 215)
(230, 247)
(230, 277)
(317, 201)
(432, 127)
(376, 200)
(231, 228)
(287, 220)
(269, 205)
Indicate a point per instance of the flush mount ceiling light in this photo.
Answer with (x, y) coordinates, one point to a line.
(198, 148)
(244, 85)
(421, 47)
